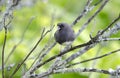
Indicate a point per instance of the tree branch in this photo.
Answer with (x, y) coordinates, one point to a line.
(3, 49)
(110, 72)
(19, 65)
(95, 58)
(86, 9)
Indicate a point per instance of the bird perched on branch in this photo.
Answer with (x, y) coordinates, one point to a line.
(64, 34)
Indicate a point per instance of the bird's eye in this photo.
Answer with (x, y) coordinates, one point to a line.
(61, 26)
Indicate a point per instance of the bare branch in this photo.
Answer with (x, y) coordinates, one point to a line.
(96, 37)
(95, 58)
(90, 19)
(44, 51)
(19, 65)
(110, 72)
(3, 49)
(85, 10)
(79, 70)
(8, 12)
(42, 56)
(110, 25)
(3, 25)
(110, 39)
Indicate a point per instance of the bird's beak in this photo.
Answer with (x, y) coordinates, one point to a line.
(58, 27)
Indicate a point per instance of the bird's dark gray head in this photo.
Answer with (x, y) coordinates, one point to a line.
(62, 26)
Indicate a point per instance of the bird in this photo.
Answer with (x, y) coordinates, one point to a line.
(64, 35)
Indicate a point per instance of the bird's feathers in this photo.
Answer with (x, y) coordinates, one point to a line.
(64, 34)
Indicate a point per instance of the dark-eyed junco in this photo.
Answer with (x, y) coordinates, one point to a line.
(64, 34)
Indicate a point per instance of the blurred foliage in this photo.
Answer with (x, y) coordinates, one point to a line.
(42, 12)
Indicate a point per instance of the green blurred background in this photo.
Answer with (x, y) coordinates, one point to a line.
(46, 13)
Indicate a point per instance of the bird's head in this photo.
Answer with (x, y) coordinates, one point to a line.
(61, 26)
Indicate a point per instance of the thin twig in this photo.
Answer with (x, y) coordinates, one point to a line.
(55, 56)
(96, 37)
(9, 8)
(45, 51)
(110, 25)
(90, 19)
(3, 49)
(95, 58)
(78, 70)
(19, 65)
(43, 55)
(110, 39)
(44, 74)
(68, 70)
(86, 9)
(38, 55)
(82, 13)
